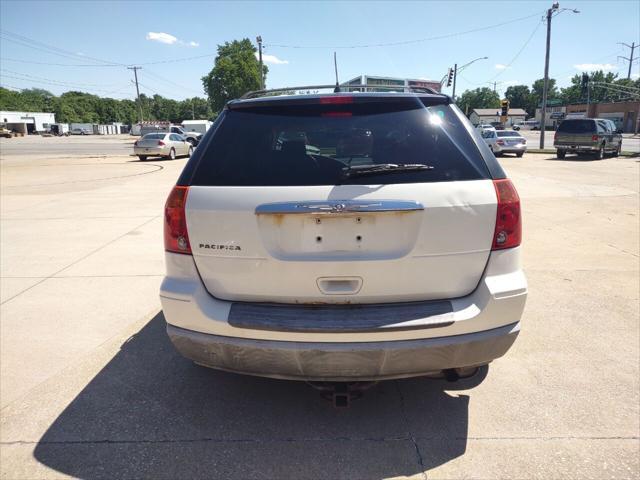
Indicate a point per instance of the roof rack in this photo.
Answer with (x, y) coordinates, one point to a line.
(359, 87)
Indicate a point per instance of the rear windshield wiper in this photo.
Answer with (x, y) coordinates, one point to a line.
(382, 168)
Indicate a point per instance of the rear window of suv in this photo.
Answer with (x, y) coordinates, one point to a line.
(315, 144)
(577, 126)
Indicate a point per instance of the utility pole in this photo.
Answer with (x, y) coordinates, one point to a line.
(630, 59)
(135, 74)
(259, 40)
(545, 90)
(555, 8)
(455, 75)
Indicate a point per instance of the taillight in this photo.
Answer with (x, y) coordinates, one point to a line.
(161, 143)
(500, 142)
(336, 100)
(508, 231)
(176, 238)
(594, 138)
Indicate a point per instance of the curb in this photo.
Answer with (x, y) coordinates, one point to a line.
(553, 151)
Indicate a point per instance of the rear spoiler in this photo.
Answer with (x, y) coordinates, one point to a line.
(355, 94)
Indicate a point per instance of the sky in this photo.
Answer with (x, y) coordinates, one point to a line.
(61, 46)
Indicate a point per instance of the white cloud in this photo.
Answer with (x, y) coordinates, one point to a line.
(500, 66)
(635, 75)
(272, 59)
(169, 39)
(592, 67)
(162, 37)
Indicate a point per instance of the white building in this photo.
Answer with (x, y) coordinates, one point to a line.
(488, 115)
(28, 122)
(554, 114)
(389, 82)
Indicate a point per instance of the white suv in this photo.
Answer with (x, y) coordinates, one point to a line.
(343, 237)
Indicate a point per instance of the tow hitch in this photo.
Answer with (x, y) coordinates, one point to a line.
(340, 394)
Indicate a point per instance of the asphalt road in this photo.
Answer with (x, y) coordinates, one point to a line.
(630, 143)
(75, 145)
(90, 386)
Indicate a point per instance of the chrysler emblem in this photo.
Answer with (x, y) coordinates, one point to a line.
(338, 207)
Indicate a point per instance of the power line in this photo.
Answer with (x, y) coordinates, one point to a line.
(5, 59)
(58, 81)
(407, 42)
(517, 55)
(180, 59)
(57, 84)
(55, 50)
(45, 82)
(170, 82)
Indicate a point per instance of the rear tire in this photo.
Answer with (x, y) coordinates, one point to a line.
(142, 157)
(172, 154)
(190, 152)
(600, 154)
(519, 154)
(617, 151)
(561, 154)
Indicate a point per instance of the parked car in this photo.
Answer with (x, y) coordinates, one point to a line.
(394, 251)
(165, 127)
(505, 141)
(167, 145)
(485, 126)
(528, 125)
(597, 136)
(80, 131)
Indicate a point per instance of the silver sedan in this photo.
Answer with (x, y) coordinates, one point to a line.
(167, 145)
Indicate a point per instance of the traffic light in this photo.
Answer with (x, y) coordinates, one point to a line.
(450, 77)
(505, 107)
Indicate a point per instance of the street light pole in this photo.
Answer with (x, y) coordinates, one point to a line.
(259, 40)
(455, 74)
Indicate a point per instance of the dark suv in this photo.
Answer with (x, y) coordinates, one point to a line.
(597, 136)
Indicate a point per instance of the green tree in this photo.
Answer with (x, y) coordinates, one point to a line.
(84, 107)
(519, 96)
(538, 87)
(479, 98)
(10, 99)
(236, 71)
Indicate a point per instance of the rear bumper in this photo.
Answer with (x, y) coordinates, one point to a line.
(511, 149)
(476, 329)
(327, 361)
(578, 148)
(151, 152)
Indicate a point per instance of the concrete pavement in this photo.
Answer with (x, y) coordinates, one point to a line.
(92, 388)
